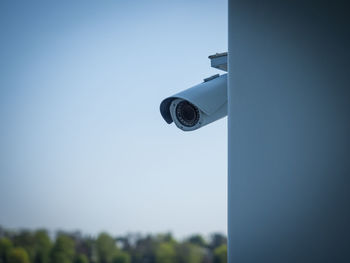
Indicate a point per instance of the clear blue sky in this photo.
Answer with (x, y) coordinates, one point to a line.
(82, 143)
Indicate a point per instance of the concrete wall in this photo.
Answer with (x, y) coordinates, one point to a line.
(289, 131)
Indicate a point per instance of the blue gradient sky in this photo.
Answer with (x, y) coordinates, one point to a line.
(82, 143)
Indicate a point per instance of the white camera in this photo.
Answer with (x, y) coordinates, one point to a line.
(198, 106)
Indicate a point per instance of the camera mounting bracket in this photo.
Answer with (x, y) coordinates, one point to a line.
(219, 61)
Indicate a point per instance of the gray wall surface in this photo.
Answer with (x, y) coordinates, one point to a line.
(289, 131)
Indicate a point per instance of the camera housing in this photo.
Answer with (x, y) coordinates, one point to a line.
(197, 106)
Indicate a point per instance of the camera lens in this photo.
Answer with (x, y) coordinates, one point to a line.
(187, 114)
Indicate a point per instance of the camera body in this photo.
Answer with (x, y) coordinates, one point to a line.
(197, 106)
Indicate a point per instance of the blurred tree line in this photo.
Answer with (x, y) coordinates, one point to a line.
(37, 247)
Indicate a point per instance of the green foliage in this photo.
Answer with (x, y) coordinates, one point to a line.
(26, 240)
(165, 253)
(37, 247)
(144, 248)
(106, 248)
(42, 246)
(220, 254)
(121, 257)
(18, 255)
(63, 250)
(5, 248)
(217, 240)
(189, 253)
(197, 240)
(81, 258)
(167, 237)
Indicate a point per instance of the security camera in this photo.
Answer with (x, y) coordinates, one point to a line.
(198, 106)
